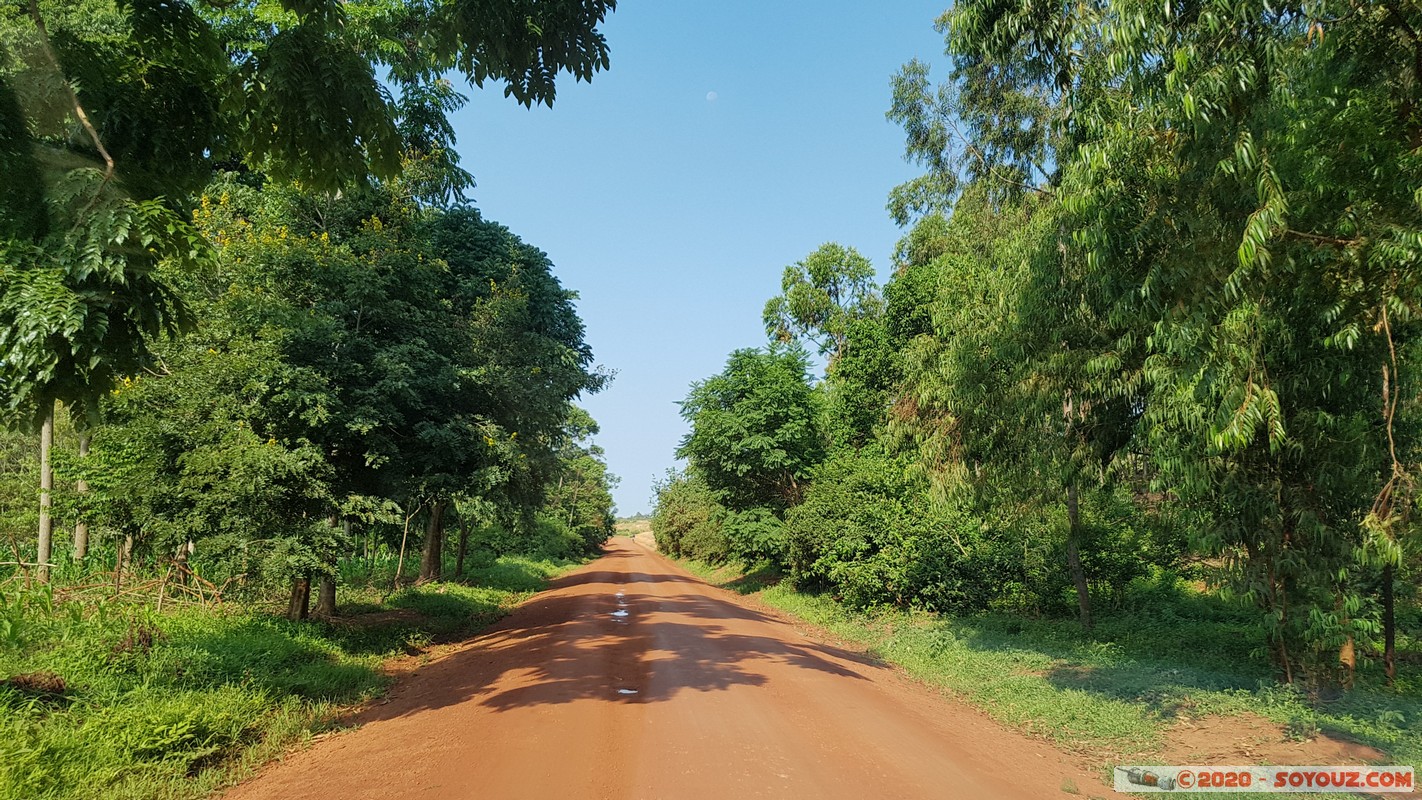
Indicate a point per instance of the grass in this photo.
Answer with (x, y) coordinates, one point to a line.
(102, 699)
(1173, 654)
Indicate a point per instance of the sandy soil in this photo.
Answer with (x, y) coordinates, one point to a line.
(691, 694)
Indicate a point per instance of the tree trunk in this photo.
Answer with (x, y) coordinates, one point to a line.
(326, 597)
(326, 588)
(400, 562)
(1389, 621)
(81, 528)
(120, 555)
(430, 560)
(299, 606)
(1078, 575)
(463, 544)
(180, 561)
(46, 522)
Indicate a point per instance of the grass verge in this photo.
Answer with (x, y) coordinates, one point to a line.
(111, 700)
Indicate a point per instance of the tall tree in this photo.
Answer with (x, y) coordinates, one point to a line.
(822, 297)
(113, 111)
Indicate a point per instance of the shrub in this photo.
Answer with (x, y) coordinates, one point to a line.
(688, 521)
(869, 532)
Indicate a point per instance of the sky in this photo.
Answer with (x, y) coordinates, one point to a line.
(726, 141)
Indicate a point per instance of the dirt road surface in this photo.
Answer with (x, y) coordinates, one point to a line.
(630, 678)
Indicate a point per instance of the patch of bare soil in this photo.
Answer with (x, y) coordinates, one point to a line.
(1252, 739)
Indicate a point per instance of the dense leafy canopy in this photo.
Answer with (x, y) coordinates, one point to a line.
(1160, 274)
(237, 250)
(113, 113)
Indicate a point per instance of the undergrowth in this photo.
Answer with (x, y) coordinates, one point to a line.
(108, 699)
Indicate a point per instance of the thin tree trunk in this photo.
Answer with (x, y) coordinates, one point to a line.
(433, 555)
(463, 544)
(1078, 574)
(46, 522)
(180, 562)
(1389, 622)
(81, 528)
(120, 554)
(573, 504)
(300, 605)
(400, 563)
(326, 588)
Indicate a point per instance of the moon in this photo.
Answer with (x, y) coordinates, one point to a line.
(711, 97)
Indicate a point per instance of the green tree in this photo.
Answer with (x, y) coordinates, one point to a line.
(582, 494)
(821, 299)
(753, 434)
(688, 521)
(112, 113)
(1239, 237)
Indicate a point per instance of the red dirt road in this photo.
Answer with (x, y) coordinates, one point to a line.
(730, 702)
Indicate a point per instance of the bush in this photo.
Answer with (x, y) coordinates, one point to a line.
(688, 521)
(547, 537)
(868, 532)
(756, 535)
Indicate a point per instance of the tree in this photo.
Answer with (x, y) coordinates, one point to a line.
(754, 435)
(822, 297)
(112, 113)
(582, 495)
(1246, 264)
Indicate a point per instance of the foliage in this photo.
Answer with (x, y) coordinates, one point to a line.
(181, 703)
(113, 112)
(582, 497)
(323, 371)
(869, 532)
(1209, 303)
(689, 521)
(822, 297)
(754, 431)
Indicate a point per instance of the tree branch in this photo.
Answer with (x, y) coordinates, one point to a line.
(1314, 237)
(992, 170)
(69, 88)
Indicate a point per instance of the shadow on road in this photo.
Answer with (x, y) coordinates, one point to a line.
(565, 645)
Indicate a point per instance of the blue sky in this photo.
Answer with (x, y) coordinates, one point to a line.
(726, 141)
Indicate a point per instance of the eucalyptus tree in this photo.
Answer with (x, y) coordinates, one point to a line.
(1237, 180)
(821, 298)
(1276, 241)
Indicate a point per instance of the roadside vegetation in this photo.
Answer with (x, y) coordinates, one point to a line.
(1131, 435)
(277, 402)
(114, 698)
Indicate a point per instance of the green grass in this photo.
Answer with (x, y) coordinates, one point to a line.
(178, 704)
(1109, 695)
